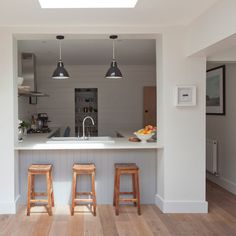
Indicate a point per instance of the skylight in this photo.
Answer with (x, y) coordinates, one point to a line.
(88, 3)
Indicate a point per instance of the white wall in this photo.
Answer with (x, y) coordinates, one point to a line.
(120, 102)
(225, 55)
(8, 125)
(182, 161)
(223, 129)
(214, 25)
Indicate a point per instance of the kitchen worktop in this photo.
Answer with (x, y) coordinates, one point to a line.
(39, 142)
(124, 133)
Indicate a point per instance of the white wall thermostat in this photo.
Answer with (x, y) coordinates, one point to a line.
(185, 95)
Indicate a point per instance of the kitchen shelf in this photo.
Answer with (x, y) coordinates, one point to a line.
(24, 91)
(28, 93)
(86, 105)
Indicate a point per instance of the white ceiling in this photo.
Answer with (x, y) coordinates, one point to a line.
(92, 51)
(146, 13)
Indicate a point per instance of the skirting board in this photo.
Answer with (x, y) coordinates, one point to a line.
(181, 206)
(17, 203)
(224, 183)
(9, 207)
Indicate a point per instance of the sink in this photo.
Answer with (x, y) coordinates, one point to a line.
(76, 140)
(97, 139)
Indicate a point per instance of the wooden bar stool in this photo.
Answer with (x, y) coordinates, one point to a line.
(126, 169)
(40, 170)
(83, 169)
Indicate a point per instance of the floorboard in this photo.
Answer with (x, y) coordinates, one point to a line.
(220, 221)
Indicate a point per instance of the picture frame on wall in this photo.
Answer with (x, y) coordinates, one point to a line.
(185, 95)
(215, 91)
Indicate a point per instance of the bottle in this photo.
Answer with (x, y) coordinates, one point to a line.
(33, 123)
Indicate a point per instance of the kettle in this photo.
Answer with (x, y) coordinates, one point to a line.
(40, 124)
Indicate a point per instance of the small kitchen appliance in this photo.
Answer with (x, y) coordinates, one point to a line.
(43, 121)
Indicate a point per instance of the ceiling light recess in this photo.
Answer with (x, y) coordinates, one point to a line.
(88, 3)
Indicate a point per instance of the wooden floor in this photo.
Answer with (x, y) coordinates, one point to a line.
(221, 220)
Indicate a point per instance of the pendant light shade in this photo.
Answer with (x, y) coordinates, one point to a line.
(60, 72)
(114, 72)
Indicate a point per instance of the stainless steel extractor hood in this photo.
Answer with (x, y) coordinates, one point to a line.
(28, 67)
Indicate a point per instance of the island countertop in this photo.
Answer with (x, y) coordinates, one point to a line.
(39, 142)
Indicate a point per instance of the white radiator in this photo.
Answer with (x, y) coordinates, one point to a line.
(212, 156)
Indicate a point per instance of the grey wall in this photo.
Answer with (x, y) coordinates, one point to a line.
(223, 129)
(120, 102)
(25, 110)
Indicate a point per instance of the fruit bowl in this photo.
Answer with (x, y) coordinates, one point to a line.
(144, 137)
(146, 133)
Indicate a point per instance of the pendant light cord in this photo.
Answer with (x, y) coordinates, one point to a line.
(60, 48)
(113, 50)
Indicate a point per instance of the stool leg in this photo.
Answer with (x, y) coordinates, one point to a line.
(29, 194)
(32, 188)
(117, 194)
(73, 193)
(49, 193)
(138, 192)
(114, 194)
(134, 188)
(52, 192)
(94, 194)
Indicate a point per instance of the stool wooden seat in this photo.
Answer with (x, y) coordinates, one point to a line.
(40, 170)
(126, 169)
(83, 169)
(80, 168)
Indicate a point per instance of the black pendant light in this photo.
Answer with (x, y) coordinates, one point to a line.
(60, 72)
(114, 72)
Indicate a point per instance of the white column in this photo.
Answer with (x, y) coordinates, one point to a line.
(181, 165)
(8, 123)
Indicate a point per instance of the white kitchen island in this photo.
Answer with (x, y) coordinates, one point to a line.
(35, 150)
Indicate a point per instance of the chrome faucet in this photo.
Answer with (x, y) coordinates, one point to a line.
(85, 118)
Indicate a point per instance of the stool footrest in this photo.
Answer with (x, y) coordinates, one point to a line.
(84, 193)
(40, 194)
(83, 200)
(128, 200)
(126, 193)
(38, 201)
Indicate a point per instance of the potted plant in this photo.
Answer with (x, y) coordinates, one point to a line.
(23, 126)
